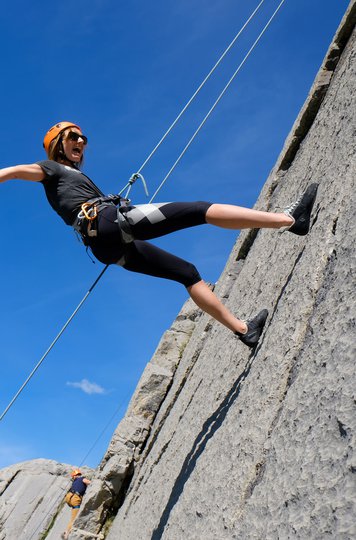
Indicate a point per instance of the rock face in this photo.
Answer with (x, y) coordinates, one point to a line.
(260, 445)
(30, 495)
(223, 443)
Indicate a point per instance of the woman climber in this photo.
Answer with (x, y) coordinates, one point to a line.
(119, 234)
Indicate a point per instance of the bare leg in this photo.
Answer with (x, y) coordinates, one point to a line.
(74, 513)
(228, 216)
(209, 302)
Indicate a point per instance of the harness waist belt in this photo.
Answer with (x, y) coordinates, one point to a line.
(98, 203)
(84, 222)
(75, 493)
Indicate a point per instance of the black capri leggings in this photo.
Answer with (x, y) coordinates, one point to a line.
(145, 222)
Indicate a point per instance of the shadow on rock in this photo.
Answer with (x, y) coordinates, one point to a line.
(210, 427)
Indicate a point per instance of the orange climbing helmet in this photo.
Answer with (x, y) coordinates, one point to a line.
(54, 131)
(75, 472)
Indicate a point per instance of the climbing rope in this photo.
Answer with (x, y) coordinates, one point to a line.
(201, 85)
(131, 182)
(52, 344)
(138, 175)
(216, 102)
(189, 103)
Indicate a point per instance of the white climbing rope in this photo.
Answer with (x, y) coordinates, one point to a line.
(216, 102)
(52, 344)
(201, 86)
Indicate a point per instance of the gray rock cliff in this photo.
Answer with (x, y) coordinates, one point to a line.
(31, 494)
(219, 442)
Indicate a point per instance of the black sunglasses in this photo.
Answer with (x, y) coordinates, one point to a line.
(73, 136)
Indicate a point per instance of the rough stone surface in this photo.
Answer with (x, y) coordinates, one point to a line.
(219, 442)
(31, 494)
(261, 445)
(116, 468)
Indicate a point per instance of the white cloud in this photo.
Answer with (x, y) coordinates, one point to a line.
(88, 387)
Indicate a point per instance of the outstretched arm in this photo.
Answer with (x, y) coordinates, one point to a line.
(31, 172)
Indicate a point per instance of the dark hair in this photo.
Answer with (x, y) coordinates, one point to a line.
(56, 152)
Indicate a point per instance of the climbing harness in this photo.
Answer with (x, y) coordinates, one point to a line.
(92, 212)
(86, 222)
(69, 496)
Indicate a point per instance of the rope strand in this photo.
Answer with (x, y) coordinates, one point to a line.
(201, 86)
(215, 103)
(53, 343)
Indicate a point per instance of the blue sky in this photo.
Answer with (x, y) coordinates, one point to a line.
(123, 71)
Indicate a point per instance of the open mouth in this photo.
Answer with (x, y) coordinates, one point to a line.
(77, 151)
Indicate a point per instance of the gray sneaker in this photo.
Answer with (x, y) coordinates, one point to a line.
(254, 329)
(301, 211)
